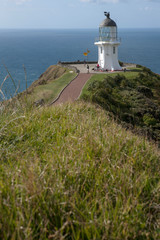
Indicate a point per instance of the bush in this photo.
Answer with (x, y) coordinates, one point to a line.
(121, 63)
(139, 66)
(145, 90)
(134, 101)
(149, 120)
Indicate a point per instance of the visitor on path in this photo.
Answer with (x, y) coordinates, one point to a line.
(87, 68)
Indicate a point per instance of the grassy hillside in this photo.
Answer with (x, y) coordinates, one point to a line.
(70, 172)
(49, 84)
(132, 97)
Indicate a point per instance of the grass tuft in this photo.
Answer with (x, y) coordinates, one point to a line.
(70, 172)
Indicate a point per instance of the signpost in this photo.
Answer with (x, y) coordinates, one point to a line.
(86, 54)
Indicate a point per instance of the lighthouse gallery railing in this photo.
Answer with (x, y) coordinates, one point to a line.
(108, 39)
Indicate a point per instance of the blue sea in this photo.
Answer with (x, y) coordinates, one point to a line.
(36, 50)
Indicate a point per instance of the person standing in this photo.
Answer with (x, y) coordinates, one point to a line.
(87, 68)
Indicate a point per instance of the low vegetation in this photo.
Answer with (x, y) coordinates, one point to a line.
(70, 172)
(132, 97)
(49, 85)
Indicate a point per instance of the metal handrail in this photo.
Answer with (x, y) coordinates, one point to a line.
(108, 39)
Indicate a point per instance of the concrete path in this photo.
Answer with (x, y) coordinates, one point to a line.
(83, 68)
(73, 90)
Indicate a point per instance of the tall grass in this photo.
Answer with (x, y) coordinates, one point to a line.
(70, 172)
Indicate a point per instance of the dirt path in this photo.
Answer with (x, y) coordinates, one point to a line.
(73, 90)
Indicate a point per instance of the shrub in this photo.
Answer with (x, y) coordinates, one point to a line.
(149, 120)
(121, 63)
(145, 90)
(139, 66)
(134, 101)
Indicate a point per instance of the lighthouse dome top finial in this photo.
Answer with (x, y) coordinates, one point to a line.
(108, 22)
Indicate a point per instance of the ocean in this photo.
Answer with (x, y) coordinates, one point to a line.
(36, 50)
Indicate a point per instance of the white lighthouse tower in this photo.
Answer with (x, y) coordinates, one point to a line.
(108, 45)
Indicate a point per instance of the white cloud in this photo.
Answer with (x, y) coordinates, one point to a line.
(88, 0)
(147, 8)
(101, 1)
(153, 1)
(111, 1)
(18, 2)
(115, 1)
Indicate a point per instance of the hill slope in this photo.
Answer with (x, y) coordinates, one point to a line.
(134, 100)
(70, 172)
(49, 85)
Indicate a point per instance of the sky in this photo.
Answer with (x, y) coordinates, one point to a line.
(76, 14)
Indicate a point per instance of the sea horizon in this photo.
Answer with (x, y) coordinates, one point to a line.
(37, 49)
(132, 28)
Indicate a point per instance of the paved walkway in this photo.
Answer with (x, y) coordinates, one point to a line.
(73, 90)
(83, 67)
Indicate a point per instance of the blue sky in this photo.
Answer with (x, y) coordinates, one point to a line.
(78, 13)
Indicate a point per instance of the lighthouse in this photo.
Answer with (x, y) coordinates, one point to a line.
(108, 43)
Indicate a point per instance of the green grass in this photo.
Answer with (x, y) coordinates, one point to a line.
(50, 91)
(132, 97)
(133, 69)
(70, 172)
(100, 77)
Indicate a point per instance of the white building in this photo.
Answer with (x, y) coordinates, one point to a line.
(108, 43)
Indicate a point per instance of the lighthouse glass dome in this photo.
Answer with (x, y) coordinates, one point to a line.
(107, 33)
(108, 29)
